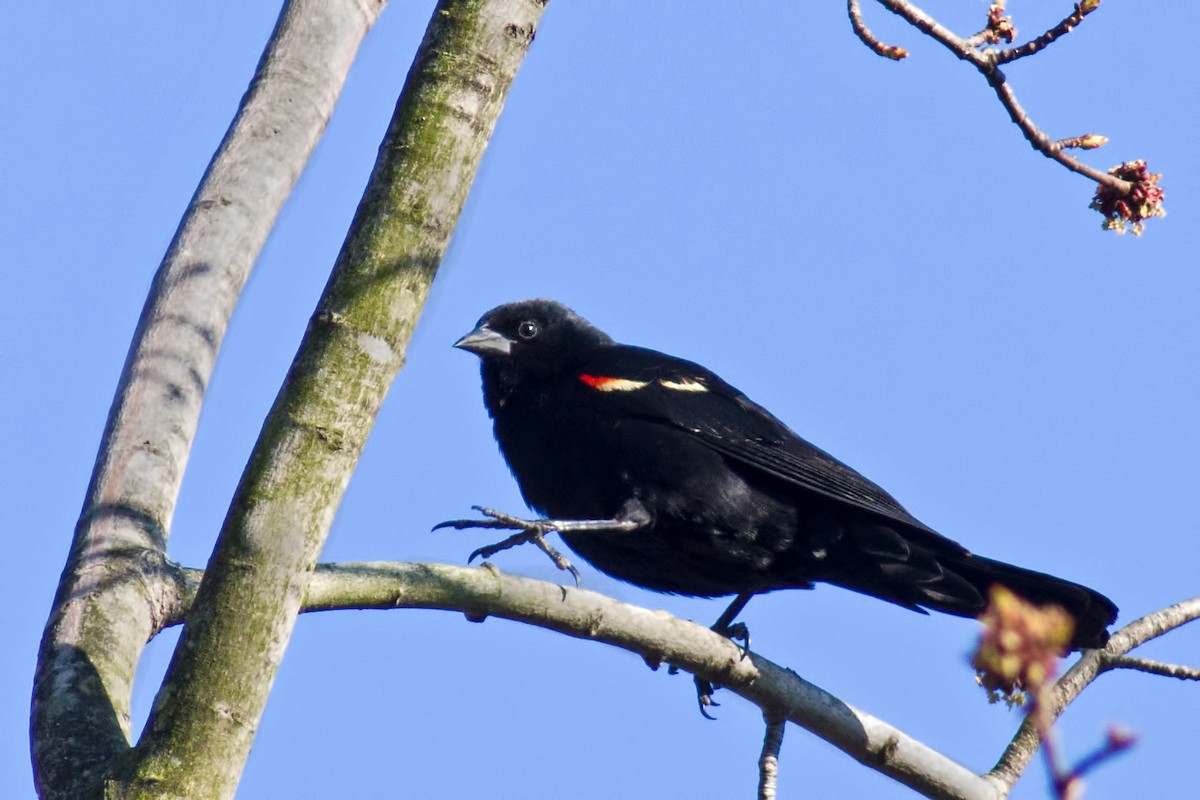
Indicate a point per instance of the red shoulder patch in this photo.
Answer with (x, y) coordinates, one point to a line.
(607, 384)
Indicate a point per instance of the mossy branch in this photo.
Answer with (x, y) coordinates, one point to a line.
(104, 609)
(208, 708)
(659, 637)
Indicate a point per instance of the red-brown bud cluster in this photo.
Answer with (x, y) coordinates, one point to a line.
(1130, 211)
(1000, 28)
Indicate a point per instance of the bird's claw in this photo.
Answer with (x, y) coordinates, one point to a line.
(559, 559)
(528, 530)
(739, 634)
(704, 693)
(497, 520)
(490, 550)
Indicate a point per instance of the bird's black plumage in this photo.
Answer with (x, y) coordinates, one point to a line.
(723, 497)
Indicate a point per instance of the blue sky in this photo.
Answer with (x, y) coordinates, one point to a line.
(868, 249)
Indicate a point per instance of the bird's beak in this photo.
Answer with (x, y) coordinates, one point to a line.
(483, 341)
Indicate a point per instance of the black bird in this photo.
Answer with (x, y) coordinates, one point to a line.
(659, 473)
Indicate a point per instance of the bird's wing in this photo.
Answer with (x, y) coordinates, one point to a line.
(659, 388)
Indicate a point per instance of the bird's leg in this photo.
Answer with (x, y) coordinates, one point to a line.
(535, 530)
(726, 627)
(737, 631)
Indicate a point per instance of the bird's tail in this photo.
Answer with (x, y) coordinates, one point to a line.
(1093, 612)
(919, 569)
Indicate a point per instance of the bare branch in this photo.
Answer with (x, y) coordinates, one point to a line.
(1153, 667)
(1041, 142)
(1093, 662)
(207, 710)
(659, 638)
(104, 612)
(1069, 785)
(1050, 36)
(853, 7)
(988, 62)
(929, 26)
(768, 761)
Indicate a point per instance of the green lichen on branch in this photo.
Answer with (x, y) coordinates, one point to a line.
(206, 714)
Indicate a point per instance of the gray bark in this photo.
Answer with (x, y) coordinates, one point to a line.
(208, 708)
(118, 589)
(658, 637)
(104, 610)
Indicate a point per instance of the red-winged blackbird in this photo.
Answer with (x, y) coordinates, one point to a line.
(659, 473)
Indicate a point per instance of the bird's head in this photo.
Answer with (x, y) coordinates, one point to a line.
(531, 338)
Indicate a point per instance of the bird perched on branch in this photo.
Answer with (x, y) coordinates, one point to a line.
(659, 473)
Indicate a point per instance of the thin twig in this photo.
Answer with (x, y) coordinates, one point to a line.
(987, 62)
(1025, 743)
(1050, 36)
(1118, 741)
(768, 761)
(1066, 781)
(929, 26)
(1041, 142)
(1153, 667)
(866, 37)
(1057, 775)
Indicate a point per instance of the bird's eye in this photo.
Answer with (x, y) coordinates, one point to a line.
(528, 329)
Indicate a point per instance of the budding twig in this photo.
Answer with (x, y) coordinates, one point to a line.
(1055, 33)
(999, 28)
(1115, 192)
(864, 34)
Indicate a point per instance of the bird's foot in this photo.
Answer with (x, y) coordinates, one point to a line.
(529, 530)
(704, 697)
(495, 519)
(706, 689)
(704, 692)
(739, 634)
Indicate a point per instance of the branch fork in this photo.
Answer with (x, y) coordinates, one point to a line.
(1126, 195)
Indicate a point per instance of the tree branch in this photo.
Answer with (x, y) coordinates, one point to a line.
(1042, 142)
(1154, 667)
(207, 711)
(988, 62)
(768, 761)
(107, 598)
(1068, 24)
(864, 34)
(929, 26)
(658, 637)
(1093, 662)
